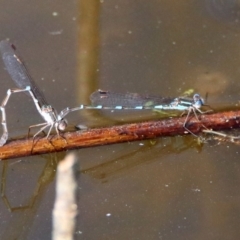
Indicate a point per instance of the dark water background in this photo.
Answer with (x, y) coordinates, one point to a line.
(171, 188)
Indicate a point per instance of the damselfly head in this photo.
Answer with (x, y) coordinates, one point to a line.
(197, 101)
(62, 124)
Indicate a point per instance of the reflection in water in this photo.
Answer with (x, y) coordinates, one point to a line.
(23, 215)
(170, 145)
(46, 176)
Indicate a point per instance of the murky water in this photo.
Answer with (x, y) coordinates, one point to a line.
(171, 188)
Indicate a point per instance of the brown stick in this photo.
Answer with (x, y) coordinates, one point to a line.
(119, 134)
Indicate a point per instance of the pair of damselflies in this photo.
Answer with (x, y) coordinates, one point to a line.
(100, 99)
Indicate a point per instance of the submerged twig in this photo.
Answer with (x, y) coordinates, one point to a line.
(223, 137)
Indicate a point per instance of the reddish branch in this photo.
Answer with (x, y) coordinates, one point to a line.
(119, 134)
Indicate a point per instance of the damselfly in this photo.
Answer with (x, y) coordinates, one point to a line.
(134, 101)
(25, 83)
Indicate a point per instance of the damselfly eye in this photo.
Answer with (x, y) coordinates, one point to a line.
(196, 97)
(62, 125)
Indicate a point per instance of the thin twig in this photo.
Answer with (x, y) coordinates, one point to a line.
(119, 134)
